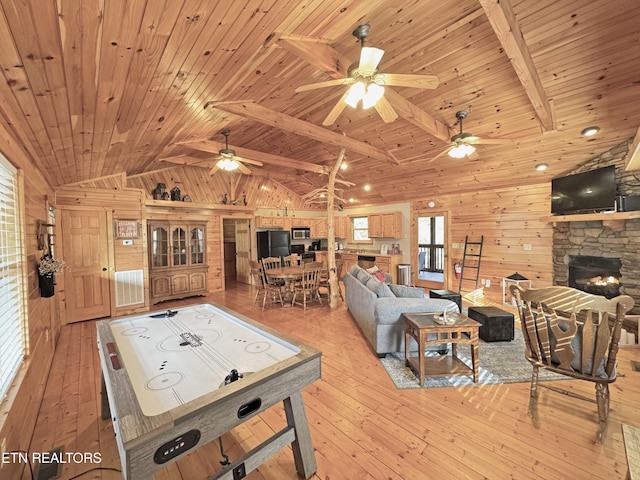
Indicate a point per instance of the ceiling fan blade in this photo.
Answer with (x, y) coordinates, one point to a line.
(473, 155)
(336, 110)
(250, 162)
(244, 169)
(386, 111)
(494, 141)
(445, 151)
(214, 169)
(407, 80)
(369, 59)
(328, 83)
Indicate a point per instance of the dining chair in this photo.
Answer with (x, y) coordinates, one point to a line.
(308, 286)
(257, 278)
(271, 285)
(291, 260)
(324, 279)
(573, 333)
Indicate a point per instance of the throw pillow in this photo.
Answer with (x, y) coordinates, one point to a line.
(379, 288)
(379, 274)
(406, 292)
(373, 269)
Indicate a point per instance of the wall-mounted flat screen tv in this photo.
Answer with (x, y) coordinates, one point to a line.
(587, 192)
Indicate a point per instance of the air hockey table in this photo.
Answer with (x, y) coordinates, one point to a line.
(176, 380)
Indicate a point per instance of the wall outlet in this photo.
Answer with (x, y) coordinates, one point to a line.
(487, 283)
(127, 242)
(527, 246)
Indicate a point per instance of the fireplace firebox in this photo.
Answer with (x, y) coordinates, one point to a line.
(597, 275)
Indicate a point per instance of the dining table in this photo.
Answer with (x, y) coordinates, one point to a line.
(289, 274)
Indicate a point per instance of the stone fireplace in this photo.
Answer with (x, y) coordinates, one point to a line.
(584, 251)
(597, 275)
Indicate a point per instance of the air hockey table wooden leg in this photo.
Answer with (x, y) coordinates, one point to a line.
(302, 446)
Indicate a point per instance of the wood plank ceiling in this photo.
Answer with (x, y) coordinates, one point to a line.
(94, 88)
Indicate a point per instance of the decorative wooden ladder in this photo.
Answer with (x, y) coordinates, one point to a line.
(471, 260)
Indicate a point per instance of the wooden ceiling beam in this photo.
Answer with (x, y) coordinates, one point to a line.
(293, 125)
(330, 61)
(504, 24)
(632, 161)
(213, 146)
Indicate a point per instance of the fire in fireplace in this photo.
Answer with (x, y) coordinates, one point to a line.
(597, 275)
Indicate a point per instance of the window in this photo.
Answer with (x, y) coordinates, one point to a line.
(360, 229)
(12, 314)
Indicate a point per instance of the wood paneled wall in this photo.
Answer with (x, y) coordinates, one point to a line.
(19, 410)
(508, 219)
(211, 189)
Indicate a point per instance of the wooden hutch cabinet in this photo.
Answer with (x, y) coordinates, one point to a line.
(177, 260)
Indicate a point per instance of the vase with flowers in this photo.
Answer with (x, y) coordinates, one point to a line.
(47, 268)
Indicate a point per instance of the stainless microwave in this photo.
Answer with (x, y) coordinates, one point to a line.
(300, 233)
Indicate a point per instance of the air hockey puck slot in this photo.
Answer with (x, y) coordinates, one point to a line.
(250, 407)
(175, 447)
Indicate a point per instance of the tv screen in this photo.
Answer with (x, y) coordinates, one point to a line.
(592, 191)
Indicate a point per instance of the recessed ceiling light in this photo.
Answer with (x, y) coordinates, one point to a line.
(589, 131)
(343, 166)
(367, 188)
(351, 200)
(541, 166)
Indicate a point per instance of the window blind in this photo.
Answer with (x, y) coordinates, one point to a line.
(12, 313)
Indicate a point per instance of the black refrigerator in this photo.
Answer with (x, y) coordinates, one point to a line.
(273, 243)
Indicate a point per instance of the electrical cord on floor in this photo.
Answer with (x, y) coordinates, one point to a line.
(28, 461)
(93, 470)
(224, 455)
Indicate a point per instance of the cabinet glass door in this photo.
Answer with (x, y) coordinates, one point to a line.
(179, 245)
(197, 246)
(160, 247)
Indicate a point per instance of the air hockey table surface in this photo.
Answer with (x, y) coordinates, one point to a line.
(169, 385)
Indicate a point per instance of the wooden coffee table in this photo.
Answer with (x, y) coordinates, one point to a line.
(419, 325)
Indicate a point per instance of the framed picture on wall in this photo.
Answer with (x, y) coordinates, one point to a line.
(127, 228)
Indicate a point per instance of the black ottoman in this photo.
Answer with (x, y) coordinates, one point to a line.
(449, 295)
(497, 325)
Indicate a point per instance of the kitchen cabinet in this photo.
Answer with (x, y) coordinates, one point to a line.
(385, 225)
(319, 227)
(348, 259)
(341, 226)
(300, 222)
(177, 260)
(270, 222)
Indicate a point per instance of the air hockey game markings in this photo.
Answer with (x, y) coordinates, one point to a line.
(173, 360)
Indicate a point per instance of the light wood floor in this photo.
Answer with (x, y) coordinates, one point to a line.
(362, 426)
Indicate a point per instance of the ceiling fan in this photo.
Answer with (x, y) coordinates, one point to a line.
(462, 144)
(229, 161)
(367, 83)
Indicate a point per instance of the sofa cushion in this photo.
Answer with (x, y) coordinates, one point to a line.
(406, 292)
(380, 275)
(381, 289)
(363, 276)
(354, 269)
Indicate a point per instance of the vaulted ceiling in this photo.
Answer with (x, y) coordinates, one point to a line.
(95, 87)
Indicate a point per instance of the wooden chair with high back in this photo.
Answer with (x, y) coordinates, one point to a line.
(258, 281)
(272, 286)
(324, 279)
(291, 260)
(308, 285)
(573, 333)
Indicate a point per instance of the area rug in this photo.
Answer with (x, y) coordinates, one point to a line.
(500, 362)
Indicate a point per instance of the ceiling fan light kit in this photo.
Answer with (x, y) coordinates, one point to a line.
(367, 84)
(228, 164)
(462, 150)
